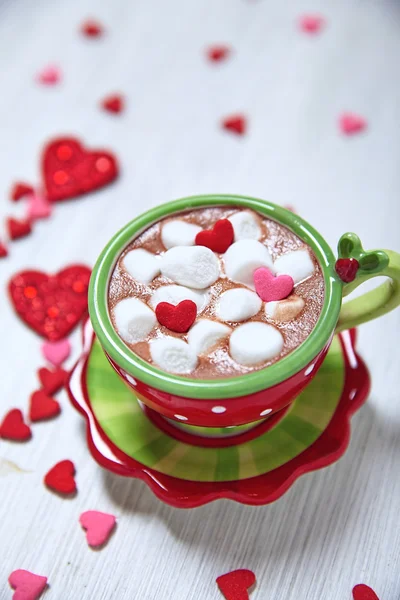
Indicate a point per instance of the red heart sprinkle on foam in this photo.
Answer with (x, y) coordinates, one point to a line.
(56, 352)
(218, 53)
(98, 525)
(20, 190)
(52, 381)
(3, 251)
(14, 428)
(42, 407)
(219, 238)
(27, 585)
(236, 124)
(347, 269)
(92, 28)
(311, 23)
(17, 228)
(364, 592)
(114, 104)
(235, 585)
(177, 318)
(271, 288)
(60, 478)
(350, 123)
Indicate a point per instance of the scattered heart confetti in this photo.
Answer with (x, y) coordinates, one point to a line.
(350, 123)
(364, 592)
(3, 251)
(18, 228)
(20, 190)
(69, 170)
(52, 305)
(56, 352)
(38, 207)
(50, 75)
(42, 407)
(218, 53)
(114, 103)
(92, 28)
(271, 288)
(235, 585)
(98, 525)
(347, 269)
(13, 427)
(236, 124)
(60, 478)
(52, 381)
(219, 238)
(311, 23)
(177, 318)
(27, 585)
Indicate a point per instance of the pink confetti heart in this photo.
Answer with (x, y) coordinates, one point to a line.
(271, 288)
(38, 207)
(351, 123)
(27, 585)
(50, 75)
(311, 23)
(98, 525)
(56, 352)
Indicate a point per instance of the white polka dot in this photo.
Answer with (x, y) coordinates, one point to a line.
(309, 369)
(218, 409)
(180, 418)
(265, 412)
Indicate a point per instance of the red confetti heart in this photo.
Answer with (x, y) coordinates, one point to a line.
(92, 28)
(177, 318)
(27, 585)
(311, 23)
(18, 229)
(52, 381)
(14, 428)
(364, 592)
(60, 478)
(3, 251)
(235, 585)
(351, 123)
(236, 124)
(114, 104)
(271, 288)
(43, 407)
(51, 305)
(218, 53)
(219, 238)
(347, 269)
(69, 170)
(20, 190)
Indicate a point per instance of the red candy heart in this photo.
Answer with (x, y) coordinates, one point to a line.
(177, 318)
(236, 124)
(218, 53)
(61, 478)
(18, 229)
(14, 428)
(271, 288)
(364, 592)
(20, 190)
(3, 251)
(70, 170)
(92, 28)
(347, 269)
(51, 305)
(219, 238)
(52, 381)
(351, 123)
(113, 104)
(235, 585)
(42, 407)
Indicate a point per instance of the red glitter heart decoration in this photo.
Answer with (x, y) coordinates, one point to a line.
(18, 229)
(271, 288)
(3, 251)
(177, 318)
(236, 124)
(14, 428)
(92, 28)
(219, 238)
(20, 190)
(114, 104)
(235, 585)
(60, 478)
(52, 305)
(218, 53)
(347, 269)
(364, 592)
(69, 170)
(52, 381)
(42, 407)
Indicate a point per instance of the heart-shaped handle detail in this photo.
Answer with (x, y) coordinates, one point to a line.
(354, 260)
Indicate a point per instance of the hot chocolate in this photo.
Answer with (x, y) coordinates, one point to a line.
(215, 292)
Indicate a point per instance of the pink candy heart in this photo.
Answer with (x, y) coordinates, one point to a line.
(351, 123)
(311, 23)
(50, 75)
(27, 586)
(271, 288)
(38, 207)
(98, 525)
(56, 352)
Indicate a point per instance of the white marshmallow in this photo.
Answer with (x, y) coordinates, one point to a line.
(297, 264)
(195, 267)
(238, 305)
(285, 310)
(173, 355)
(175, 294)
(254, 343)
(243, 258)
(205, 334)
(133, 320)
(142, 265)
(179, 233)
(245, 225)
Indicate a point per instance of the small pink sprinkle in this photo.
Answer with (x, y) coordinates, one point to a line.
(27, 585)
(311, 23)
(56, 352)
(98, 525)
(351, 123)
(38, 207)
(50, 75)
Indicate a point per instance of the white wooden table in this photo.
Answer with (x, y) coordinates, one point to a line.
(334, 528)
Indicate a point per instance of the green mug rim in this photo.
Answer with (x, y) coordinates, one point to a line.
(230, 387)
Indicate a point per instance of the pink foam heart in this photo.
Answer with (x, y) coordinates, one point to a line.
(271, 288)
(50, 75)
(98, 525)
(38, 207)
(27, 585)
(56, 352)
(351, 123)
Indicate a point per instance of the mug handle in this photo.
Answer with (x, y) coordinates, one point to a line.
(355, 266)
